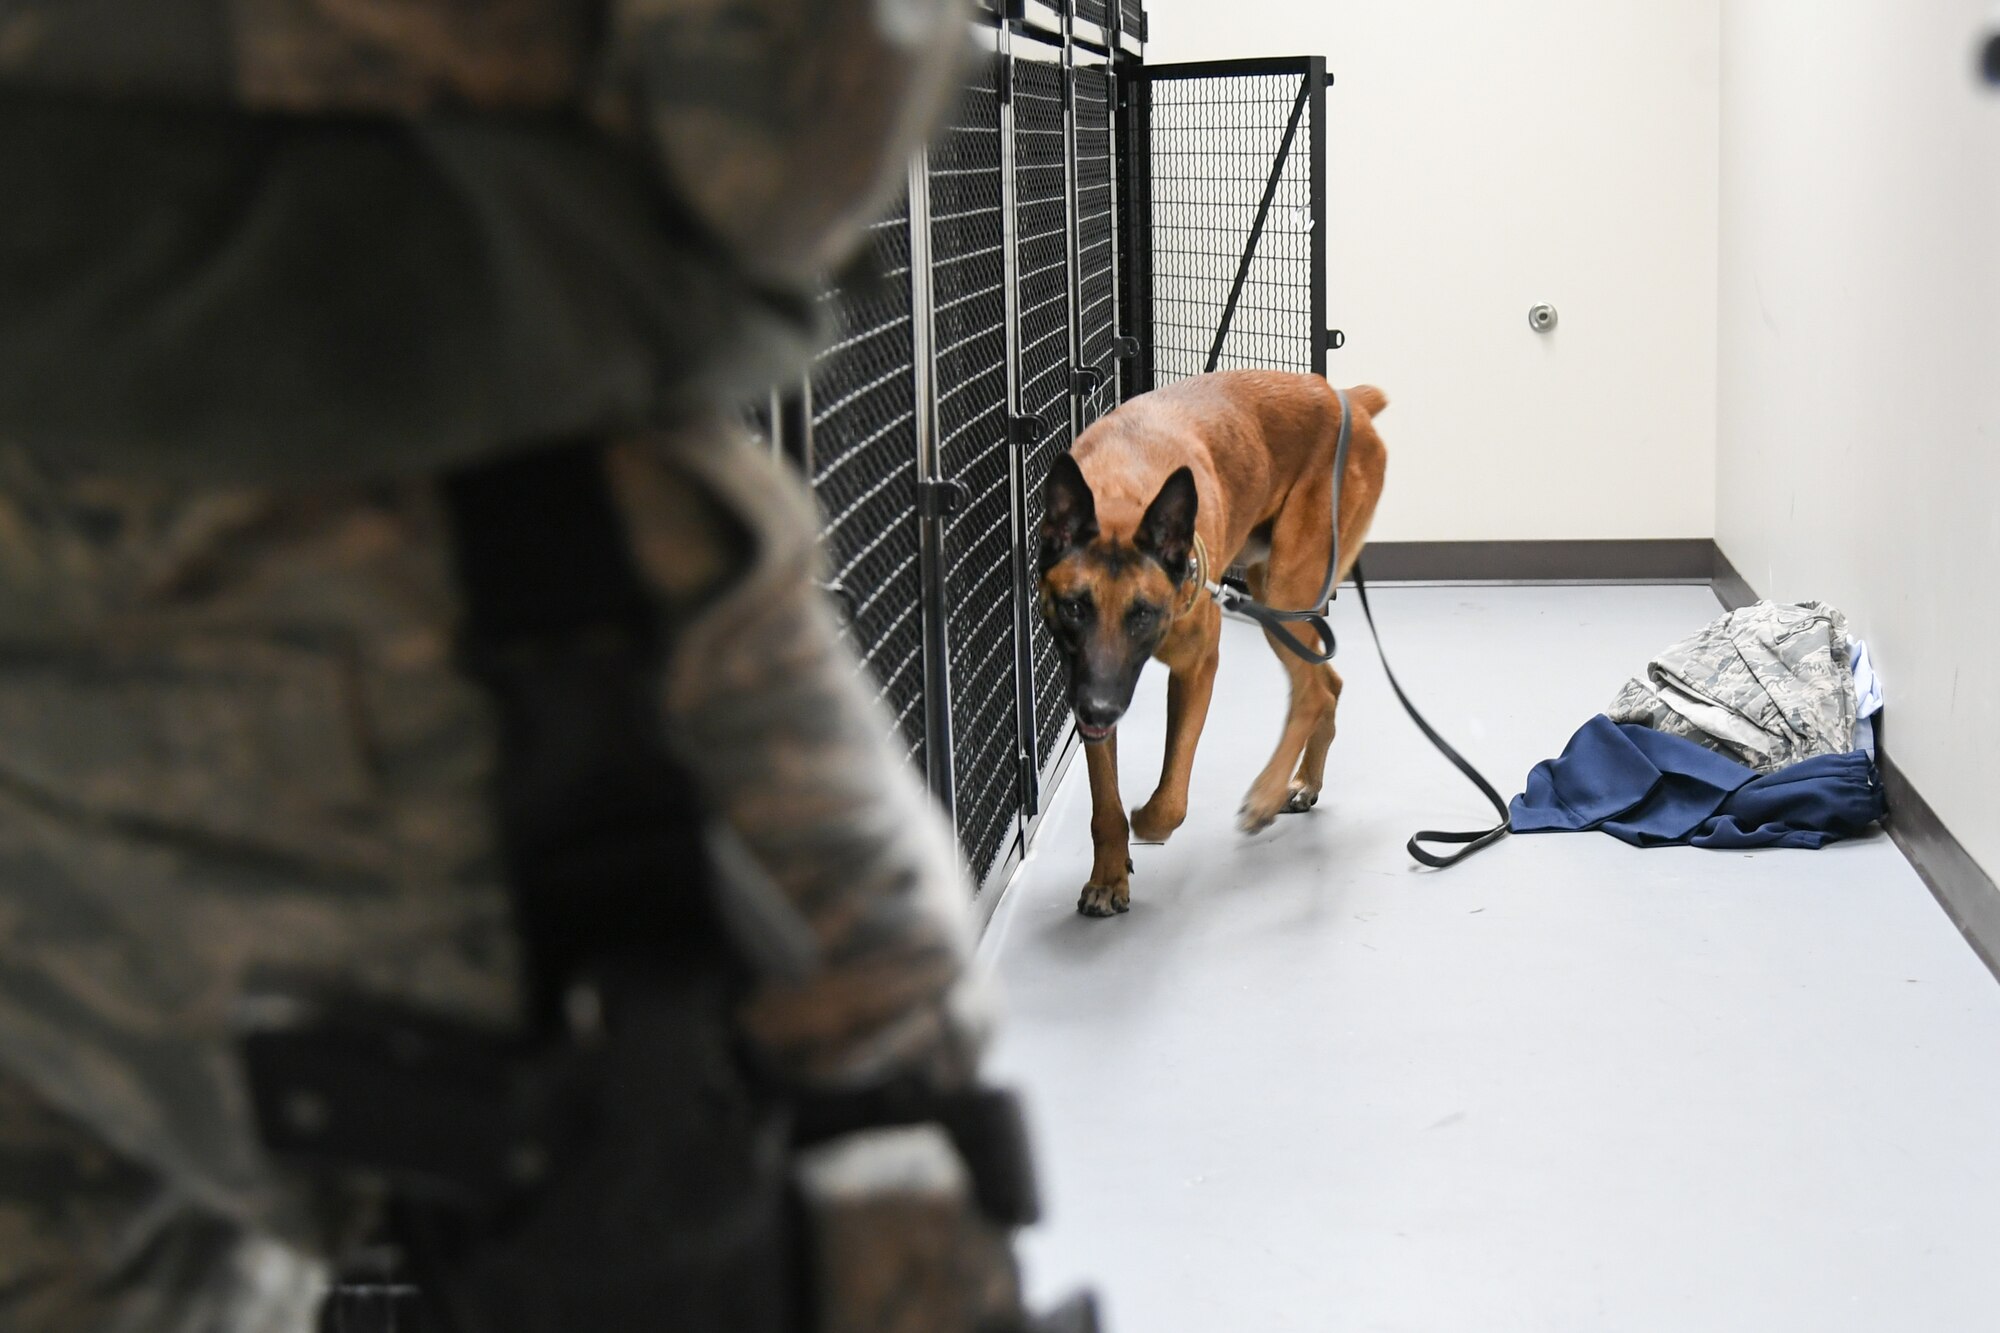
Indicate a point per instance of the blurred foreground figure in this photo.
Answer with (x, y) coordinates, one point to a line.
(439, 829)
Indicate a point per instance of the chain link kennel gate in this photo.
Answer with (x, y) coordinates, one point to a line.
(1225, 216)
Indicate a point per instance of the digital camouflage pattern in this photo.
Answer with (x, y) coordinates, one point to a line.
(236, 747)
(1767, 685)
(779, 123)
(89, 1240)
(234, 742)
(850, 892)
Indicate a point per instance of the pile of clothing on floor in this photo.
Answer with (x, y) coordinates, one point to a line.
(1756, 732)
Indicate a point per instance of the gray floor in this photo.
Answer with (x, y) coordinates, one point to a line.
(1567, 1086)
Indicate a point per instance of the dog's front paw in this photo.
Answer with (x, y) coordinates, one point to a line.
(1303, 798)
(1105, 899)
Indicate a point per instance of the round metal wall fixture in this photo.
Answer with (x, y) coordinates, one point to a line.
(1542, 318)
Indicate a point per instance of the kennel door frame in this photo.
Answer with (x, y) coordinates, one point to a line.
(1092, 402)
(1141, 109)
(973, 306)
(1044, 371)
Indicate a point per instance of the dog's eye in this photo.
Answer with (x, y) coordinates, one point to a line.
(1142, 615)
(1074, 610)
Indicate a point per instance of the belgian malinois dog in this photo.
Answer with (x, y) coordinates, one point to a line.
(1154, 501)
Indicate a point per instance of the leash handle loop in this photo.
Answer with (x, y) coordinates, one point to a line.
(1470, 840)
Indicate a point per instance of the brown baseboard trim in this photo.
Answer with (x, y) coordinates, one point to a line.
(1662, 560)
(1731, 588)
(1961, 886)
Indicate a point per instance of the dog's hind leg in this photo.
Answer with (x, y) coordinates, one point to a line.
(1295, 573)
(1311, 776)
(1311, 713)
(1109, 891)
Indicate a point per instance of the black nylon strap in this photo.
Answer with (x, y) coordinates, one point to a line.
(600, 827)
(1473, 839)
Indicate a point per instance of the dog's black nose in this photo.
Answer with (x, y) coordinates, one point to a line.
(1097, 714)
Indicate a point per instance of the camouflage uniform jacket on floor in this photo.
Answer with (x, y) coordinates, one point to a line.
(1767, 685)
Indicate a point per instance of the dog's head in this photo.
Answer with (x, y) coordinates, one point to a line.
(1108, 595)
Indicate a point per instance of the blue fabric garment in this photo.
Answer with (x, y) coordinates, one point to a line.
(1653, 789)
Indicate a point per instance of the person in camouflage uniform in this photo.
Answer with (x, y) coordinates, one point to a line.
(271, 272)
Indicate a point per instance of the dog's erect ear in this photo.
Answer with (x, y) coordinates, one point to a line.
(1069, 511)
(1167, 531)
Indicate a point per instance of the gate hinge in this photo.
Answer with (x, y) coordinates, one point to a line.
(1126, 346)
(937, 498)
(1335, 340)
(1027, 429)
(1031, 782)
(1085, 380)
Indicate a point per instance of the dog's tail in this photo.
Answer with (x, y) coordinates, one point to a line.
(1370, 398)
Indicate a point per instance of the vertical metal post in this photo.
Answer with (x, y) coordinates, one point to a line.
(1118, 363)
(1316, 166)
(1074, 284)
(930, 526)
(1027, 747)
(1135, 145)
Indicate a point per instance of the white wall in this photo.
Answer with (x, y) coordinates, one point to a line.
(1859, 405)
(1485, 157)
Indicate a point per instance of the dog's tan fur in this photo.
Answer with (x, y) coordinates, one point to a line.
(1260, 445)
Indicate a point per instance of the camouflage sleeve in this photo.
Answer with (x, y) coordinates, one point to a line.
(843, 879)
(786, 125)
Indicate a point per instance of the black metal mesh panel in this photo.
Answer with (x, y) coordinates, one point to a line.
(1041, 225)
(1093, 11)
(1214, 142)
(864, 474)
(1132, 18)
(1097, 305)
(968, 288)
